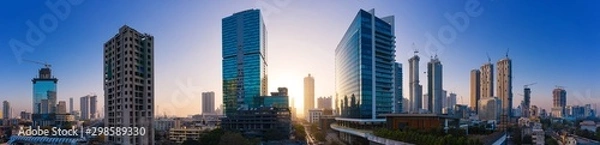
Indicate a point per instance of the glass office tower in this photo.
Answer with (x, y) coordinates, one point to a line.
(244, 60)
(44, 87)
(364, 61)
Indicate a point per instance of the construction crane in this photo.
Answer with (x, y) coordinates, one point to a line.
(527, 86)
(47, 65)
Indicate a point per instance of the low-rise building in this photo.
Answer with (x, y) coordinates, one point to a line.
(420, 121)
(490, 108)
(179, 135)
(314, 115)
(537, 134)
(588, 125)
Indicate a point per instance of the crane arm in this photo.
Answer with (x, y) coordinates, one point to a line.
(47, 65)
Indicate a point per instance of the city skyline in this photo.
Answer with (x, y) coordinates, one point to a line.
(551, 53)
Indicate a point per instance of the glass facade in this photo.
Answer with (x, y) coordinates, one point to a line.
(244, 60)
(276, 101)
(364, 62)
(43, 88)
(398, 97)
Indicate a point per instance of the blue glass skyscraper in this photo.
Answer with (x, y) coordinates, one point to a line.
(398, 97)
(244, 60)
(364, 67)
(44, 88)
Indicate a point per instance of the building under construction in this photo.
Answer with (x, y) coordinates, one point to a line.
(256, 122)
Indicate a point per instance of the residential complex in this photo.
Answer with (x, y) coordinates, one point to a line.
(486, 80)
(6, 110)
(504, 91)
(475, 89)
(559, 102)
(129, 84)
(208, 102)
(415, 89)
(87, 107)
(309, 94)
(324, 102)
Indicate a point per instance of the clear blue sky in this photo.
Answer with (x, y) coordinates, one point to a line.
(551, 43)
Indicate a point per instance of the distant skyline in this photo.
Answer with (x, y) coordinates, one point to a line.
(551, 43)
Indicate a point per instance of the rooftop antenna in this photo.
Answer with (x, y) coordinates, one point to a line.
(488, 56)
(507, 49)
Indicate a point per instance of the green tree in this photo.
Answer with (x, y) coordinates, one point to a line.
(319, 136)
(230, 138)
(190, 142)
(273, 134)
(212, 138)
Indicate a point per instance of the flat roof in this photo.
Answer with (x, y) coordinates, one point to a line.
(418, 115)
(359, 120)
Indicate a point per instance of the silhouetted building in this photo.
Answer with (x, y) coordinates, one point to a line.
(324, 102)
(434, 86)
(475, 89)
(208, 102)
(398, 104)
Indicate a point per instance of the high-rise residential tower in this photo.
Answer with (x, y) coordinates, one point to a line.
(61, 108)
(559, 102)
(486, 80)
(93, 106)
(415, 89)
(475, 89)
(434, 86)
(504, 91)
(44, 87)
(451, 100)
(244, 52)
(71, 105)
(6, 111)
(324, 102)
(398, 97)
(129, 84)
(526, 101)
(309, 94)
(208, 102)
(364, 67)
(88, 107)
(84, 107)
